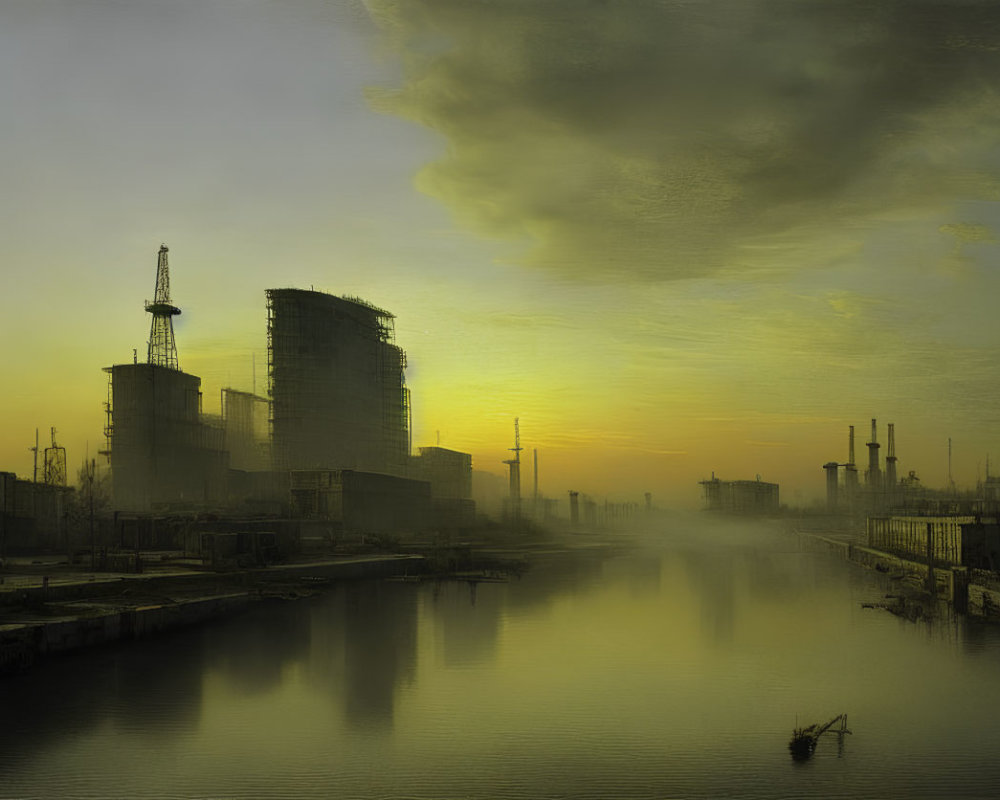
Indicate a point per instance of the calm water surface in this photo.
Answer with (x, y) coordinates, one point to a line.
(674, 670)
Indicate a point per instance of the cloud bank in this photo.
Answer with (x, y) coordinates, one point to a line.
(665, 139)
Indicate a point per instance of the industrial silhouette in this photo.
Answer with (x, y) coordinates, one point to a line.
(330, 442)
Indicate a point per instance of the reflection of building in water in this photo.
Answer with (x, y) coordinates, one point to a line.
(467, 630)
(380, 649)
(740, 497)
(145, 689)
(253, 653)
(338, 396)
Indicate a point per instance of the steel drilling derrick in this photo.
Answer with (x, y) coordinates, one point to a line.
(162, 347)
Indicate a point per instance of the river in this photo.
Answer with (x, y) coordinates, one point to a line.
(677, 668)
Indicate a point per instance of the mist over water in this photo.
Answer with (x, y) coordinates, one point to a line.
(673, 669)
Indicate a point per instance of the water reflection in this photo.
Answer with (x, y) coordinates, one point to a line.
(380, 642)
(677, 668)
(466, 625)
(114, 688)
(253, 652)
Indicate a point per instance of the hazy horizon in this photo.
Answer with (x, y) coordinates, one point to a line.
(670, 238)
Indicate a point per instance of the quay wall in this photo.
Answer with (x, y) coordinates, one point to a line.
(950, 582)
(212, 582)
(22, 644)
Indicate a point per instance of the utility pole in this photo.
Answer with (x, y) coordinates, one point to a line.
(34, 452)
(951, 483)
(535, 451)
(34, 477)
(91, 468)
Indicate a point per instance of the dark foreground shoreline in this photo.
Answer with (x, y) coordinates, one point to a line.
(47, 610)
(59, 614)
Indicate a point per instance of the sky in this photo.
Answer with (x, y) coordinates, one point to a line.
(672, 237)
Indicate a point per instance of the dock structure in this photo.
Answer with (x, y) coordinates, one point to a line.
(804, 740)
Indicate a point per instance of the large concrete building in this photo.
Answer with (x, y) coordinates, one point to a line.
(338, 395)
(740, 497)
(162, 453)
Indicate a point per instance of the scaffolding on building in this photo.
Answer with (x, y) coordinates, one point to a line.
(336, 384)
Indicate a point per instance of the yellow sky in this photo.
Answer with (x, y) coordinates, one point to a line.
(664, 259)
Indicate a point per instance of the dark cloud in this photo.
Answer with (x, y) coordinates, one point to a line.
(656, 139)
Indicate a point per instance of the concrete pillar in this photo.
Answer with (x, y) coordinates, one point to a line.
(831, 485)
(960, 589)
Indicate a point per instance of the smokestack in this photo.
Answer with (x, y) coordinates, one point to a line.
(951, 482)
(574, 508)
(831, 485)
(535, 452)
(874, 476)
(850, 469)
(890, 460)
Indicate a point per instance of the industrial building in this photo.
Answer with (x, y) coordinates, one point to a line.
(161, 451)
(32, 514)
(449, 473)
(337, 388)
(330, 444)
(361, 502)
(740, 497)
(882, 489)
(245, 422)
(949, 540)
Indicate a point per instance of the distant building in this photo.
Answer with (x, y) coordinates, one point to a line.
(362, 502)
(449, 473)
(32, 515)
(338, 394)
(991, 489)
(162, 453)
(245, 422)
(952, 539)
(740, 497)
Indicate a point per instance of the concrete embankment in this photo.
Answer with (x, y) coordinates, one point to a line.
(972, 592)
(56, 617)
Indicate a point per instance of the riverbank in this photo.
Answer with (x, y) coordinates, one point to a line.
(45, 612)
(974, 593)
(50, 607)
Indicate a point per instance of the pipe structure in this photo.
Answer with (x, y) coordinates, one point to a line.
(890, 461)
(874, 476)
(832, 500)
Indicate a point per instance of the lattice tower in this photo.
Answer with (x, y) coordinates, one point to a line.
(55, 463)
(162, 347)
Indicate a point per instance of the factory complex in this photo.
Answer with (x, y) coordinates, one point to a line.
(329, 446)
